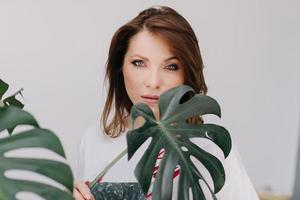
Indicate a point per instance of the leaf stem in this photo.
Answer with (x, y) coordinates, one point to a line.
(107, 168)
(18, 92)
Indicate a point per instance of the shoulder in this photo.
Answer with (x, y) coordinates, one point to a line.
(238, 184)
(96, 150)
(94, 142)
(94, 136)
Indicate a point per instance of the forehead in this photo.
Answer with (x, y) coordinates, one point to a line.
(149, 43)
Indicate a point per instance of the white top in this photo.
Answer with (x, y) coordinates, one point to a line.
(96, 150)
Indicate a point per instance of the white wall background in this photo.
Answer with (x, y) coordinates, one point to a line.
(56, 50)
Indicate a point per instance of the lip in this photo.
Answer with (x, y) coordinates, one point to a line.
(152, 99)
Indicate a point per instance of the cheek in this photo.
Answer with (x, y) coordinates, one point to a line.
(131, 84)
(172, 81)
(175, 80)
(180, 79)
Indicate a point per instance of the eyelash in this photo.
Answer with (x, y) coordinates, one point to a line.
(135, 61)
(174, 66)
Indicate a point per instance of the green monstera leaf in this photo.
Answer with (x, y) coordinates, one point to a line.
(12, 115)
(11, 100)
(172, 132)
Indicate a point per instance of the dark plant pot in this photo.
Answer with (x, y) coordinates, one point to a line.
(117, 191)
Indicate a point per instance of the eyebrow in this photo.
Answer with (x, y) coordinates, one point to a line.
(170, 58)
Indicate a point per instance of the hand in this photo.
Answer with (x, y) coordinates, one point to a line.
(82, 192)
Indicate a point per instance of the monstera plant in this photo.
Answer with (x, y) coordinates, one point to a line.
(172, 132)
(12, 115)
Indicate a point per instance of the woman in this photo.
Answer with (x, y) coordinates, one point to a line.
(154, 52)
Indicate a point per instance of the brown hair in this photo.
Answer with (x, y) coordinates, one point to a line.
(177, 32)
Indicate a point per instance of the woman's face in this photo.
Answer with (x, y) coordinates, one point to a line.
(150, 69)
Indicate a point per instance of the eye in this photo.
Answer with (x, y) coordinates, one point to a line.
(138, 63)
(173, 67)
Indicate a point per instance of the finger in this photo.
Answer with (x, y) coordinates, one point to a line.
(77, 195)
(84, 190)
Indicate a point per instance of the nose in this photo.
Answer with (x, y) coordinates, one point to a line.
(153, 79)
